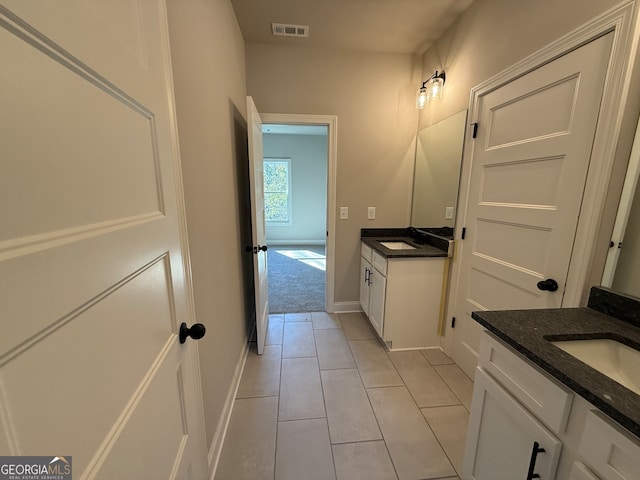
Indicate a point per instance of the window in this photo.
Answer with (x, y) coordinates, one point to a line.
(277, 191)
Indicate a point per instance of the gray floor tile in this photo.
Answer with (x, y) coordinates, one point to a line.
(323, 320)
(374, 364)
(275, 330)
(363, 461)
(250, 443)
(356, 326)
(298, 340)
(333, 349)
(461, 385)
(426, 386)
(349, 413)
(435, 356)
(304, 451)
(414, 450)
(300, 389)
(449, 424)
(261, 374)
(297, 317)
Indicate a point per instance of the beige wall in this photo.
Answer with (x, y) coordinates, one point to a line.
(373, 97)
(209, 76)
(492, 35)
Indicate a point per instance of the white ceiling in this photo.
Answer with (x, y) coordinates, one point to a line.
(391, 26)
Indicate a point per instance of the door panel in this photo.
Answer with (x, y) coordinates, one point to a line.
(528, 170)
(510, 118)
(259, 234)
(92, 263)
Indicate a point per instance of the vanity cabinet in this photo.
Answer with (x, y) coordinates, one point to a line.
(401, 297)
(505, 439)
(517, 410)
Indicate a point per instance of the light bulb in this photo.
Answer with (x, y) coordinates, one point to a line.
(421, 98)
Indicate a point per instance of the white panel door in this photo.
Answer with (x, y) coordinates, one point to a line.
(259, 235)
(94, 275)
(528, 172)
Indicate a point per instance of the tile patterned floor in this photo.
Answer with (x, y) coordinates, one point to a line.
(326, 401)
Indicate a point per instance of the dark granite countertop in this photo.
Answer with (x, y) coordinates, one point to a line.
(530, 331)
(426, 244)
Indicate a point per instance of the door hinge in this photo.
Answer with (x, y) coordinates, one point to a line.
(453, 322)
(464, 233)
(475, 130)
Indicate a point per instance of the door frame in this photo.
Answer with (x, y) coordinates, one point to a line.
(622, 21)
(331, 121)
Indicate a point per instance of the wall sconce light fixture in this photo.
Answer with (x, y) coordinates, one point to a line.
(431, 89)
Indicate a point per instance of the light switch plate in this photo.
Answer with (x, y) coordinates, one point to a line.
(448, 213)
(344, 213)
(371, 213)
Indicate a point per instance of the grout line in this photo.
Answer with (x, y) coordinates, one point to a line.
(301, 419)
(324, 402)
(275, 450)
(384, 440)
(439, 443)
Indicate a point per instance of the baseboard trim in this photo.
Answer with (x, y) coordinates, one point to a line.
(215, 450)
(346, 307)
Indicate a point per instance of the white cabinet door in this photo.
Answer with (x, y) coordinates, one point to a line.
(365, 288)
(580, 472)
(502, 437)
(376, 304)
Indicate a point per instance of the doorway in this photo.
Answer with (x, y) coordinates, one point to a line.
(295, 196)
(299, 154)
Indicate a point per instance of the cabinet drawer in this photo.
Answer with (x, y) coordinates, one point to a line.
(379, 263)
(365, 251)
(609, 450)
(543, 396)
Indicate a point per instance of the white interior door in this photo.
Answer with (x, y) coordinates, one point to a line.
(259, 237)
(528, 169)
(93, 274)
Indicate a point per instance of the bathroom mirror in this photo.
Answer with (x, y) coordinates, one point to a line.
(622, 269)
(437, 172)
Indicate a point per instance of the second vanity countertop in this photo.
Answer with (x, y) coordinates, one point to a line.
(426, 244)
(529, 332)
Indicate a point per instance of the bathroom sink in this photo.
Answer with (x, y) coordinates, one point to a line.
(614, 359)
(397, 245)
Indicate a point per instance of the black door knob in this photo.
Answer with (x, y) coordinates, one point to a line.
(196, 331)
(262, 247)
(550, 285)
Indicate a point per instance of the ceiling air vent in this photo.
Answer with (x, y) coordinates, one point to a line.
(286, 30)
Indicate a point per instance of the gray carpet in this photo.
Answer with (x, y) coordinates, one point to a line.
(294, 285)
